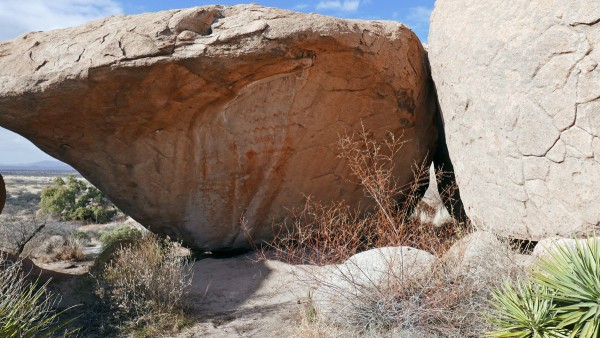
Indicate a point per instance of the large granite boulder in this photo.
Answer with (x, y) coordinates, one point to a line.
(518, 84)
(197, 122)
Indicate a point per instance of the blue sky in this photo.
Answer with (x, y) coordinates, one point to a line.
(21, 16)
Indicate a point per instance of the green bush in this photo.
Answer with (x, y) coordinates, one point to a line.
(562, 299)
(76, 200)
(120, 234)
(26, 309)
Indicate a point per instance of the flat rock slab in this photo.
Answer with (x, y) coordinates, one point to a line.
(208, 124)
(518, 88)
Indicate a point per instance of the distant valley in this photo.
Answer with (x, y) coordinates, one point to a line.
(48, 165)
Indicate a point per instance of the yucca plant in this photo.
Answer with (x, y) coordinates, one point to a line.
(574, 273)
(26, 308)
(525, 310)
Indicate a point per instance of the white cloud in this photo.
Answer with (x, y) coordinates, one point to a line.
(417, 19)
(301, 6)
(21, 16)
(337, 5)
(419, 15)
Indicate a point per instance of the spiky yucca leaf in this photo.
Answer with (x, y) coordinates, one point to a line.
(525, 310)
(574, 272)
(26, 308)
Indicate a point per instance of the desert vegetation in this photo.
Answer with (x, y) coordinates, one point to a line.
(439, 304)
(74, 199)
(136, 281)
(331, 233)
(560, 299)
(26, 306)
(391, 270)
(462, 294)
(142, 280)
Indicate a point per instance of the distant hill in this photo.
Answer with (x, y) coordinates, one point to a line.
(37, 166)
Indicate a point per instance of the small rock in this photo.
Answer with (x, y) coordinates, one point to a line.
(368, 277)
(478, 253)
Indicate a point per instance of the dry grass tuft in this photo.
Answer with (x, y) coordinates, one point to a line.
(145, 282)
(444, 304)
(71, 250)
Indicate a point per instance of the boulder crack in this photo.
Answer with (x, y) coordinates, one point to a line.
(591, 23)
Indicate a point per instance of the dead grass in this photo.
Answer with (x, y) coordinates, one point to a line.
(443, 305)
(331, 233)
(144, 283)
(72, 250)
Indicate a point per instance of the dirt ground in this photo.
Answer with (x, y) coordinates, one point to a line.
(239, 296)
(244, 297)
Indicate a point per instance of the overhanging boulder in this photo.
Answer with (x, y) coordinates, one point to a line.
(196, 122)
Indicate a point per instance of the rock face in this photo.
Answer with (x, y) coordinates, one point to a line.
(197, 121)
(2, 194)
(518, 86)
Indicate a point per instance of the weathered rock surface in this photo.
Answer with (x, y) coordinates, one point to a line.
(518, 86)
(2, 194)
(196, 121)
(477, 255)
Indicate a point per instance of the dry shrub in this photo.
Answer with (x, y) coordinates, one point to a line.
(444, 305)
(145, 282)
(73, 250)
(16, 231)
(330, 233)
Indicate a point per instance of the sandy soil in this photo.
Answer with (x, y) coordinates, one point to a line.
(240, 296)
(243, 297)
